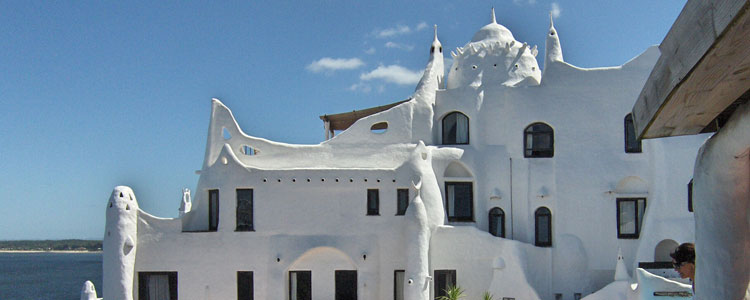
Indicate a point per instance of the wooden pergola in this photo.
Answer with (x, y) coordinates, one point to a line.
(703, 73)
(342, 121)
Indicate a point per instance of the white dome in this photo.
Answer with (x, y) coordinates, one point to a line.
(493, 32)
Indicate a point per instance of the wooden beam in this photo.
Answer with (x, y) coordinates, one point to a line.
(704, 67)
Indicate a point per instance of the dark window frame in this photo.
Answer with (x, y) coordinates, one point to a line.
(373, 196)
(243, 294)
(290, 282)
(446, 140)
(638, 221)
(471, 202)
(213, 220)
(690, 195)
(539, 213)
(339, 294)
(632, 143)
(440, 291)
(244, 211)
(395, 282)
(143, 284)
(402, 201)
(534, 131)
(496, 212)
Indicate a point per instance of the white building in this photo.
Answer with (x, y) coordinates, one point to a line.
(499, 176)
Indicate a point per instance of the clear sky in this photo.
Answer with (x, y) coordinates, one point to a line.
(96, 94)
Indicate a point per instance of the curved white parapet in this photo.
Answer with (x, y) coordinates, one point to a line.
(88, 292)
(120, 244)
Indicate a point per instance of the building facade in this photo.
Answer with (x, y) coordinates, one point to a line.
(498, 176)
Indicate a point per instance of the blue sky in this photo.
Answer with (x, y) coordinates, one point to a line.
(102, 93)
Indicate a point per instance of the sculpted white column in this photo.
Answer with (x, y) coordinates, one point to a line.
(119, 245)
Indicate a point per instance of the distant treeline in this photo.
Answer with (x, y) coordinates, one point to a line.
(52, 245)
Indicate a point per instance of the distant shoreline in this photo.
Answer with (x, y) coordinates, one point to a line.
(49, 251)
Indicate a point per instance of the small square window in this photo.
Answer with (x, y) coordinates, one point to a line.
(444, 280)
(459, 201)
(157, 285)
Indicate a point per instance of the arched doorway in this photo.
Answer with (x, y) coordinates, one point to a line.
(322, 273)
(663, 249)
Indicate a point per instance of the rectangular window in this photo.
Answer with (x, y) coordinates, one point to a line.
(300, 285)
(346, 285)
(402, 201)
(690, 195)
(398, 284)
(373, 202)
(558, 296)
(244, 210)
(459, 201)
(632, 143)
(213, 210)
(577, 296)
(245, 285)
(444, 280)
(630, 217)
(157, 285)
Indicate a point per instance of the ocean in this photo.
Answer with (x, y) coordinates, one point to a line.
(48, 276)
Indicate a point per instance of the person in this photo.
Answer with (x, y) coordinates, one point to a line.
(683, 260)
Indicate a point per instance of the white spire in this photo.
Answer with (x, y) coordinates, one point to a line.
(435, 39)
(553, 50)
(494, 21)
(551, 22)
(621, 272)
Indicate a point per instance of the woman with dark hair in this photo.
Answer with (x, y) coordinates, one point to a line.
(683, 260)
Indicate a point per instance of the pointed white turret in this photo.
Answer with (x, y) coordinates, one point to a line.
(621, 272)
(433, 73)
(120, 244)
(553, 51)
(494, 21)
(424, 94)
(186, 205)
(88, 292)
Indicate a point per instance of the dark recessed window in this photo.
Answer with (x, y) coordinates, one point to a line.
(444, 280)
(539, 141)
(402, 201)
(346, 285)
(157, 285)
(630, 217)
(459, 201)
(455, 129)
(398, 284)
(497, 222)
(543, 227)
(300, 285)
(632, 143)
(690, 195)
(245, 285)
(244, 210)
(373, 202)
(213, 210)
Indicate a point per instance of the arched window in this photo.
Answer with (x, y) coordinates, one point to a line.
(543, 227)
(632, 144)
(497, 222)
(539, 141)
(455, 129)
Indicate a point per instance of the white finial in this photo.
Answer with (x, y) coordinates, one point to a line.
(435, 31)
(494, 21)
(551, 23)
